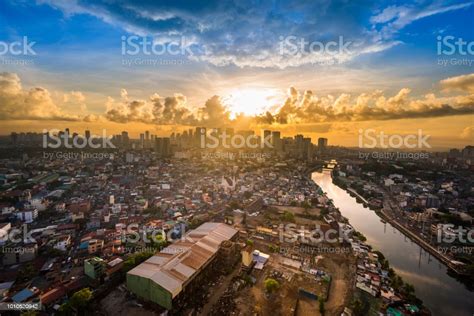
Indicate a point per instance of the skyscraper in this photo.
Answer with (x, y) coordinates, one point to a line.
(276, 141)
(267, 137)
(142, 140)
(125, 140)
(322, 144)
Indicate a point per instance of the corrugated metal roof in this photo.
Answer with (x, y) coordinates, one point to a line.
(178, 263)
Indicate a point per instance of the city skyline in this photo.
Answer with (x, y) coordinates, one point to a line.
(174, 68)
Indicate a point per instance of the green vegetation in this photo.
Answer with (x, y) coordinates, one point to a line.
(383, 262)
(306, 205)
(360, 236)
(288, 217)
(195, 222)
(322, 309)
(249, 242)
(271, 285)
(357, 307)
(78, 304)
(154, 210)
(136, 259)
(234, 205)
(273, 248)
(27, 272)
(247, 194)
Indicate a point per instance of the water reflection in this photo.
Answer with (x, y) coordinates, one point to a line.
(442, 294)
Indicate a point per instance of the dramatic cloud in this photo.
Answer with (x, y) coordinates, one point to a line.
(263, 34)
(306, 107)
(468, 133)
(166, 111)
(459, 83)
(310, 108)
(33, 104)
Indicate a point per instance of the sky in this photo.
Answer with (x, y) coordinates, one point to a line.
(321, 68)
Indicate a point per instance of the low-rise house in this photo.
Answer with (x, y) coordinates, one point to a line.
(63, 243)
(94, 267)
(28, 215)
(95, 245)
(19, 253)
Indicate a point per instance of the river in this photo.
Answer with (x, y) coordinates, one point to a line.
(442, 294)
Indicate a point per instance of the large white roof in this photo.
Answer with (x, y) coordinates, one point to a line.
(178, 263)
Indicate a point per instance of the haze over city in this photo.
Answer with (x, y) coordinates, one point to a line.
(92, 66)
(237, 158)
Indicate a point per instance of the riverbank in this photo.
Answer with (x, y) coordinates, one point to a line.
(369, 292)
(422, 243)
(441, 291)
(357, 195)
(456, 268)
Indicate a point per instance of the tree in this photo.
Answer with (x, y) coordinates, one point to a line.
(80, 299)
(135, 260)
(288, 217)
(234, 205)
(273, 248)
(322, 309)
(357, 307)
(154, 210)
(360, 236)
(305, 205)
(27, 272)
(271, 285)
(77, 304)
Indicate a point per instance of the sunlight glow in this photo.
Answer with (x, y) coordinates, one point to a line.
(252, 101)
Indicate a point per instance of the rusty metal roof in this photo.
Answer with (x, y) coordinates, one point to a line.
(178, 263)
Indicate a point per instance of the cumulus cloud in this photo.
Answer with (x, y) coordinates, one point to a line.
(36, 103)
(468, 133)
(169, 110)
(75, 100)
(306, 107)
(309, 108)
(459, 83)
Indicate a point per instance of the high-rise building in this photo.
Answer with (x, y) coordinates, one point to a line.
(159, 145)
(125, 140)
(322, 144)
(468, 152)
(166, 147)
(162, 146)
(267, 137)
(276, 141)
(142, 140)
(14, 137)
(307, 149)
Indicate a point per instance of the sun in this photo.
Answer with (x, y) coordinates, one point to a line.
(252, 101)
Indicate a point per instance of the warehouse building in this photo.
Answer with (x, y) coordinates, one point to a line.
(170, 275)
